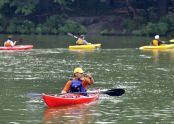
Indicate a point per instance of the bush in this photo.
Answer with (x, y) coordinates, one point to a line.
(71, 26)
(11, 28)
(162, 28)
(129, 25)
(169, 19)
(26, 27)
(159, 28)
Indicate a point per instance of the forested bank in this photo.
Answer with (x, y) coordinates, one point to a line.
(121, 17)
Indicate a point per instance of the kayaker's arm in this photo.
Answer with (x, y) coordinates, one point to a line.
(67, 87)
(85, 42)
(15, 43)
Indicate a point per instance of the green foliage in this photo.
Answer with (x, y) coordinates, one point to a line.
(158, 28)
(151, 28)
(3, 2)
(162, 28)
(26, 27)
(129, 25)
(61, 2)
(11, 28)
(42, 29)
(71, 26)
(25, 7)
(51, 16)
(17, 26)
(133, 24)
(169, 19)
(104, 32)
(108, 32)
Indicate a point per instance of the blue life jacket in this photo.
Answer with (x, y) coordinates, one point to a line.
(76, 86)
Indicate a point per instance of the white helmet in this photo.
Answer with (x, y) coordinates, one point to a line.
(156, 36)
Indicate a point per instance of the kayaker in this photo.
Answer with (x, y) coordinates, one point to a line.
(157, 41)
(79, 82)
(81, 40)
(9, 42)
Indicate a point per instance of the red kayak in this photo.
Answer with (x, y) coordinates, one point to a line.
(18, 47)
(69, 99)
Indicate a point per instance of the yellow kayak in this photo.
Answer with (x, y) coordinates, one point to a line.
(163, 46)
(88, 46)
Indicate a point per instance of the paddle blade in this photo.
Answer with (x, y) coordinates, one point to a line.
(70, 34)
(21, 40)
(32, 95)
(114, 92)
(172, 40)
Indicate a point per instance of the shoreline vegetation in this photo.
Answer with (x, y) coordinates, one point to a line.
(103, 17)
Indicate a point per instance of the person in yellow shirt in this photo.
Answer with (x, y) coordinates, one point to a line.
(156, 41)
(81, 40)
(79, 82)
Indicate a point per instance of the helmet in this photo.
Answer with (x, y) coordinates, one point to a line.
(156, 36)
(78, 70)
(82, 36)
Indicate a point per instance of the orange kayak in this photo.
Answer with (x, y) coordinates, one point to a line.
(69, 99)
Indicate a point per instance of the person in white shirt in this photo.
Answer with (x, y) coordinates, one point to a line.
(9, 42)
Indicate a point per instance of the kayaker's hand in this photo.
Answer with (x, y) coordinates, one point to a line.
(88, 75)
(63, 92)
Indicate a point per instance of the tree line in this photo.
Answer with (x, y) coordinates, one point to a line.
(54, 16)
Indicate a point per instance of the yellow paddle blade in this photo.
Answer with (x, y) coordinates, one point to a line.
(172, 40)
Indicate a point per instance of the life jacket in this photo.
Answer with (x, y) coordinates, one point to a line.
(79, 41)
(76, 86)
(155, 42)
(7, 44)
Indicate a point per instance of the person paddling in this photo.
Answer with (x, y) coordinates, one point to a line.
(9, 42)
(81, 40)
(157, 41)
(78, 83)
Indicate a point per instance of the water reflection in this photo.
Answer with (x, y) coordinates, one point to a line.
(75, 114)
(83, 53)
(158, 53)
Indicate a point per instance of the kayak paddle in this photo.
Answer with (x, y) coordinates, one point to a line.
(70, 34)
(172, 40)
(19, 40)
(111, 92)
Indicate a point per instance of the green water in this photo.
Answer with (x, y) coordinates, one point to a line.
(147, 77)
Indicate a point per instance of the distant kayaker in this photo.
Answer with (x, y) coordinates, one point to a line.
(81, 40)
(79, 82)
(9, 42)
(157, 41)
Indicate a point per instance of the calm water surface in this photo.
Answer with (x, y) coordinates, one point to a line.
(147, 77)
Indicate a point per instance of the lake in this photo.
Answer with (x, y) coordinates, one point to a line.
(146, 76)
